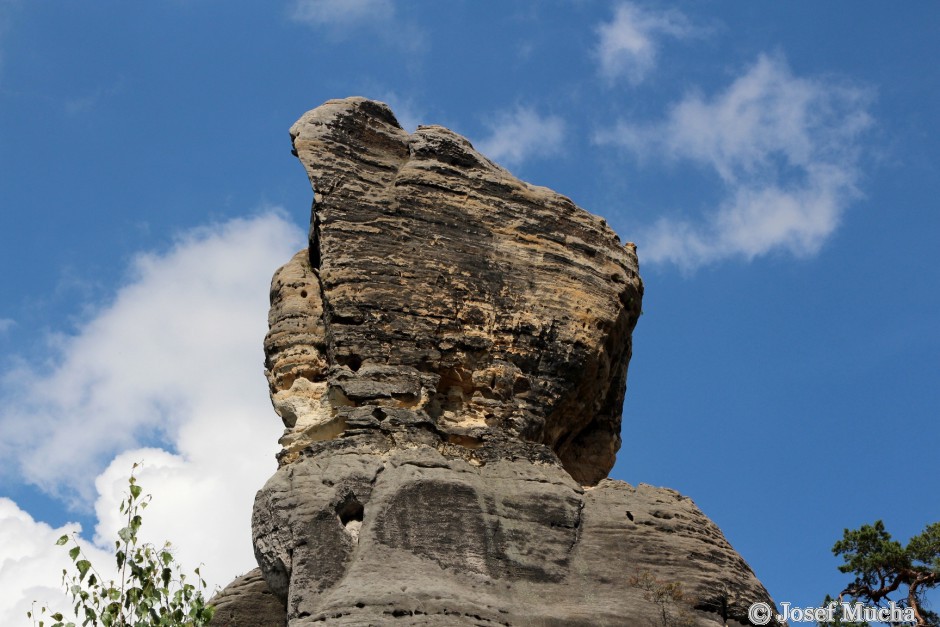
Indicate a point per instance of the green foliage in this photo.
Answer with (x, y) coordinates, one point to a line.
(884, 568)
(839, 617)
(152, 591)
(674, 609)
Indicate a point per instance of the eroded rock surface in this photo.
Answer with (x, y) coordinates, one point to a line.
(438, 284)
(449, 359)
(248, 602)
(362, 531)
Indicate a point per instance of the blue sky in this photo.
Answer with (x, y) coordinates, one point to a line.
(776, 164)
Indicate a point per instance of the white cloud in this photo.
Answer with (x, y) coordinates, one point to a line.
(6, 324)
(339, 19)
(2, 34)
(786, 150)
(175, 360)
(181, 340)
(340, 12)
(31, 565)
(90, 100)
(522, 134)
(405, 110)
(628, 45)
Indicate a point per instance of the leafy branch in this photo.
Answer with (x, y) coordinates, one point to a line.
(884, 568)
(674, 609)
(152, 590)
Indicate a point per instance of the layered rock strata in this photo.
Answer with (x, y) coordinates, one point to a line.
(449, 359)
(443, 289)
(370, 533)
(248, 602)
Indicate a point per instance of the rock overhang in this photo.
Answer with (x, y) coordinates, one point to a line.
(440, 292)
(449, 358)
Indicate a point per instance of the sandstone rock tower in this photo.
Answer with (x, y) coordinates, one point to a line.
(449, 359)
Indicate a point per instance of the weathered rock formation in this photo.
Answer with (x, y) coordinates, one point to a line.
(248, 602)
(442, 288)
(449, 358)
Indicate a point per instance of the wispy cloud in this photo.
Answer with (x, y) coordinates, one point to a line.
(628, 45)
(522, 134)
(786, 150)
(168, 373)
(4, 4)
(340, 12)
(340, 19)
(409, 115)
(90, 100)
(6, 324)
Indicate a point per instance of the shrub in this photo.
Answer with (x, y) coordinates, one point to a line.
(152, 589)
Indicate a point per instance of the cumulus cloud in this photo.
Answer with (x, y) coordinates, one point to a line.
(628, 45)
(340, 12)
(169, 373)
(522, 134)
(785, 149)
(31, 565)
(181, 340)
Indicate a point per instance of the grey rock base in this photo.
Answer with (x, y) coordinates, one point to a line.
(369, 533)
